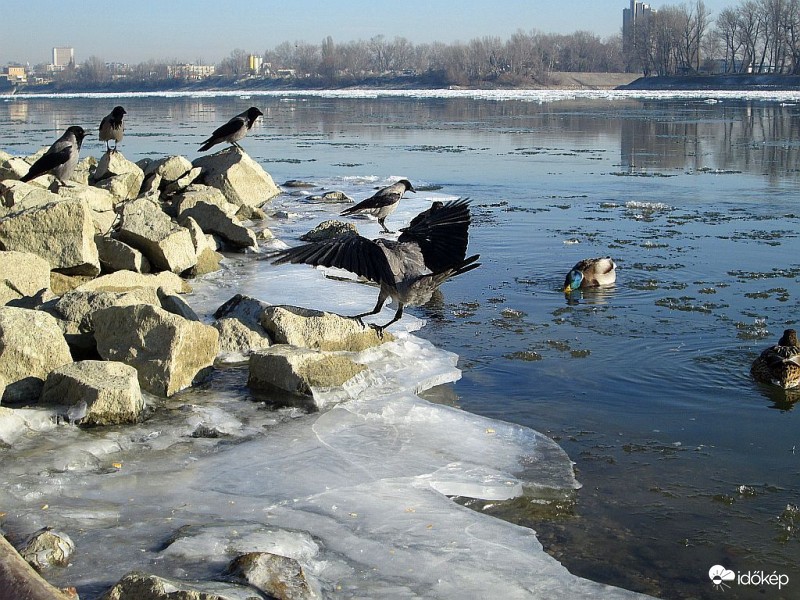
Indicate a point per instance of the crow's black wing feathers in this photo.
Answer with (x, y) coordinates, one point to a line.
(379, 200)
(442, 233)
(350, 252)
(48, 162)
(228, 128)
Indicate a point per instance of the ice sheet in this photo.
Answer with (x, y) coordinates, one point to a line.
(358, 494)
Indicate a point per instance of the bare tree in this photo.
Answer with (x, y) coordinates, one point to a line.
(727, 30)
(328, 66)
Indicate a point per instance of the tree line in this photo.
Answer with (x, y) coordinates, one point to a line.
(753, 36)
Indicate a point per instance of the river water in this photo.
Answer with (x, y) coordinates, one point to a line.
(685, 462)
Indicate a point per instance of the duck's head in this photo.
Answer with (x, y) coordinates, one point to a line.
(573, 281)
(789, 338)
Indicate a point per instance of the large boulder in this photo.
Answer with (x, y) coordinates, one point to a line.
(174, 187)
(122, 281)
(277, 576)
(13, 167)
(167, 350)
(300, 370)
(118, 175)
(22, 274)
(215, 215)
(119, 256)
(239, 325)
(60, 232)
(100, 201)
(110, 390)
(16, 196)
(241, 179)
(169, 168)
(31, 345)
(137, 585)
(319, 330)
(47, 548)
(75, 310)
(147, 228)
(208, 259)
(236, 337)
(173, 173)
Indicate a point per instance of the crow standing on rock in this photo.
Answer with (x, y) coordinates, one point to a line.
(111, 127)
(61, 158)
(233, 130)
(431, 250)
(383, 202)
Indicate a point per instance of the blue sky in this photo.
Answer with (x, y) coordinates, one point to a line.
(208, 30)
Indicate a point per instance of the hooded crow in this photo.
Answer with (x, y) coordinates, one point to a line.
(383, 202)
(409, 270)
(61, 158)
(111, 127)
(233, 130)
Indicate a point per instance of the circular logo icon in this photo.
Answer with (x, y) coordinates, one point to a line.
(719, 575)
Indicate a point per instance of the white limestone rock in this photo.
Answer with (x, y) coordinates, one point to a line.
(22, 274)
(121, 281)
(110, 390)
(31, 345)
(146, 227)
(60, 232)
(167, 350)
(118, 175)
(237, 176)
(119, 256)
(300, 371)
(215, 215)
(319, 330)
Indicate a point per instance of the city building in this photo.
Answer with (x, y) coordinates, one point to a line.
(632, 19)
(63, 57)
(190, 72)
(255, 63)
(15, 74)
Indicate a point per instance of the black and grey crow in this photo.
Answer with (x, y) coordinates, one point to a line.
(233, 130)
(61, 158)
(111, 127)
(409, 270)
(383, 202)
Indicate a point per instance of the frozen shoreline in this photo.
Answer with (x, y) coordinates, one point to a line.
(525, 95)
(357, 494)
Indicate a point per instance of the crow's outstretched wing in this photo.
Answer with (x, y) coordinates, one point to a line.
(349, 252)
(442, 233)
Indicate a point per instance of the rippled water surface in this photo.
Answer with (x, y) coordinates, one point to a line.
(685, 461)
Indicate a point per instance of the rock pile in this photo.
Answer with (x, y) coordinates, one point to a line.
(91, 270)
(92, 319)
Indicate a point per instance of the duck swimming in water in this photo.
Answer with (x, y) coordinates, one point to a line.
(779, 364)
(591, 272)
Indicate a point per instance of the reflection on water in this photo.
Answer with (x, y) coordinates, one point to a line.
(686, 462)
(658, 137)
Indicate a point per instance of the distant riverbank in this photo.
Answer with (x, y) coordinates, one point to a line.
(553, 80)
(741, 82)
(557, 80)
